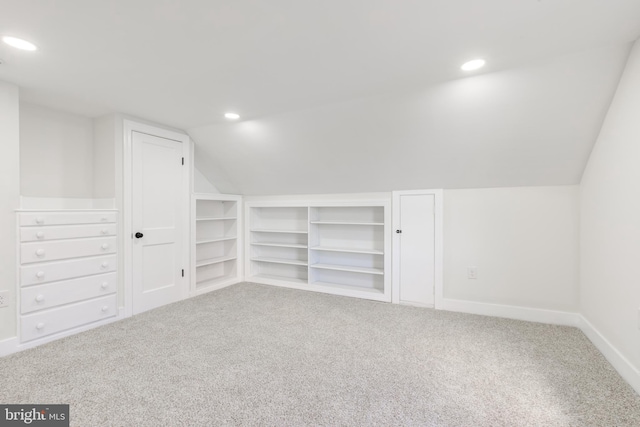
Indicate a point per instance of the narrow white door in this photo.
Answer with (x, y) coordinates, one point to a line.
(416, 233)
(157, 218)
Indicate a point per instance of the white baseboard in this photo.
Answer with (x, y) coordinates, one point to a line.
(621, 364)
(625, 368)
(415, 304)
(510, 312)
(225, 284)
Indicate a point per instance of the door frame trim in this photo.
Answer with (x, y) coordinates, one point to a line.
(439, 244)
(130, 126)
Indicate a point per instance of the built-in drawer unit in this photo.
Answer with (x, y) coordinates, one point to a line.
(47, 322)
(68, 270)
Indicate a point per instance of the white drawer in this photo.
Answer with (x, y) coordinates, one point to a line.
(47, 322)
(62, 270)
(40, 297)
(37, 234)
(63, 249)
(66, 218)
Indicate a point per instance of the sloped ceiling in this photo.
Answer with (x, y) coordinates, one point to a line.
(533, 125)
(338, 86)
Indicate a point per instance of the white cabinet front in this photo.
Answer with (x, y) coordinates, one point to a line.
(47, 322)
(38, 234)
(61, 270)
(63, 249)
(40, 297)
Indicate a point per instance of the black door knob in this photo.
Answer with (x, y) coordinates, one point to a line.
(139, 235)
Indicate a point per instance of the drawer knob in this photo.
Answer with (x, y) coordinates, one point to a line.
(40, 252)
(104, 246)
(104, 264)
(39, 298)
(103, 219)
(40, 326)
(105, 231)
(40, 235)
(104, 285)
(39, 220)
(105, 308)
(40, 274)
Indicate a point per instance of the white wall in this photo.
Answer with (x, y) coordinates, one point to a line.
(610, 221)
(201, 184)
(56, 153)
(104, 157)
(9, 200)
(213, 171)
(524, 242)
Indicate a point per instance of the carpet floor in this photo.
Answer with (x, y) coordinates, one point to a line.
(260, 355)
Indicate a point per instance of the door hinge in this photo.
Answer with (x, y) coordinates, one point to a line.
(183, 272)
(183, 161)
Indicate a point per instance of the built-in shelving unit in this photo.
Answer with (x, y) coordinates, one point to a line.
(338, 248)
(216, 252)
(279, 243)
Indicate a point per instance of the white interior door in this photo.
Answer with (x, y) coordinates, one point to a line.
(415, 231)
(157, 221)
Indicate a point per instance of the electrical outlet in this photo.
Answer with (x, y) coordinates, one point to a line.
(4, 299)
(472, 272)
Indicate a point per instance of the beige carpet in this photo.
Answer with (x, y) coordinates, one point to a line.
(260, 355)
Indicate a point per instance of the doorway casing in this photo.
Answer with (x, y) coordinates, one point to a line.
(130, 126)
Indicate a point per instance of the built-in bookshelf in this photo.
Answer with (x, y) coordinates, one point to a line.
(279, 243)
(215, 227)
(337, 248)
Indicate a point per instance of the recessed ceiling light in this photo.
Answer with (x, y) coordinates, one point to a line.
(473, 65)
(19, 43)
(232, 116)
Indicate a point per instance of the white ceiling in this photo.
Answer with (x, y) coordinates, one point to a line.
(378, 81)
(185, 62)
(532, 125)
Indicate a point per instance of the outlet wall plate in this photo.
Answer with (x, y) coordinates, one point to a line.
(4, 299)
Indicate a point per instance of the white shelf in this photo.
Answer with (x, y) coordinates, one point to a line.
(350, 251)
(280, 231)
(348, 287)
(367, 270)
(216, 260)
(281, 245)
(221, 239)
(280, 261)
(347, 223)
(216, 219)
